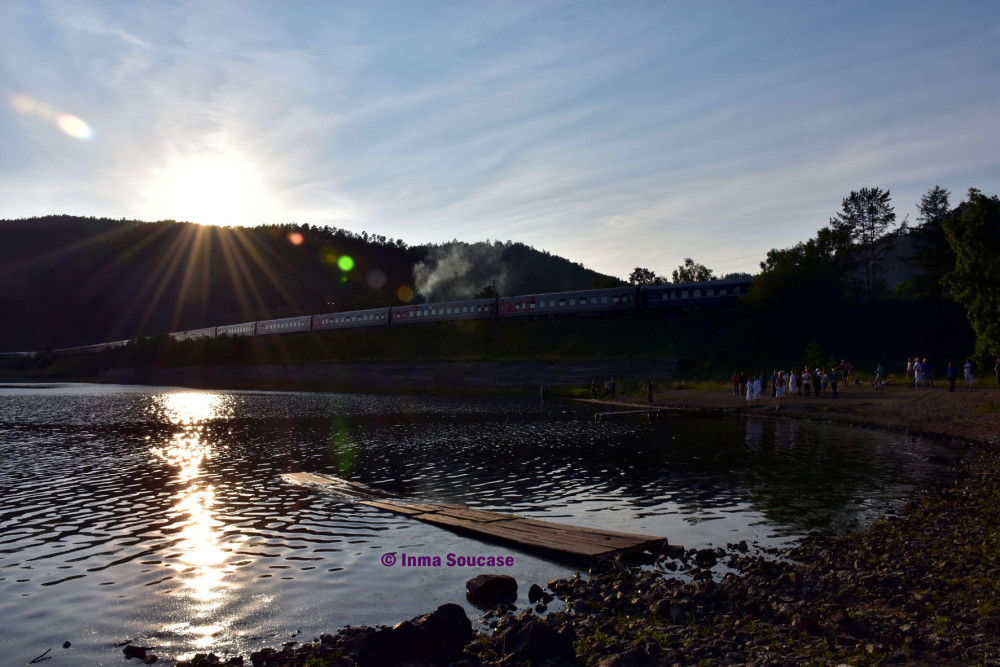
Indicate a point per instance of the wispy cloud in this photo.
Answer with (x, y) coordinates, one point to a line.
(620, 135)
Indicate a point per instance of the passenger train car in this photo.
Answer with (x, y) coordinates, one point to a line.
(652, 298)
(618, 299)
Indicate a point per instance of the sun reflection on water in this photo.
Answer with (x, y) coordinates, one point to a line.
(202, 561)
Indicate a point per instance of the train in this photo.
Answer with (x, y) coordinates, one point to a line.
(607, 301)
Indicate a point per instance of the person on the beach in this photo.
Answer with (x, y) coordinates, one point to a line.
(969, 379)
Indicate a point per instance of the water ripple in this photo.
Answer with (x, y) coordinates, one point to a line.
(161, 515)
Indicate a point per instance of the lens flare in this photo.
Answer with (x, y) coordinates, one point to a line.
(345, 263)
(295, 238)
(376, 278)
(75, 127)
(328, 255)
(404, 294)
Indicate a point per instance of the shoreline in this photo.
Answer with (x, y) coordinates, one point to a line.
(969, 416)
(918, 586)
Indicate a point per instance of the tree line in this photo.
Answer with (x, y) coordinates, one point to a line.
(955, 258)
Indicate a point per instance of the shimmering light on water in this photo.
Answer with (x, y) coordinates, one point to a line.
(160, 515)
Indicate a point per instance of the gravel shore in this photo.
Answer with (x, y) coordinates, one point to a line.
(921, 586)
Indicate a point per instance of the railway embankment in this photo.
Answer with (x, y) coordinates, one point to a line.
(528, 375)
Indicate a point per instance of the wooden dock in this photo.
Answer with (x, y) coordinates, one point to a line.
(565, 541)
(653, 413)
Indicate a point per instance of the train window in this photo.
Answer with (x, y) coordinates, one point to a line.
(572, 302)
(697, 292)
(710, 292)
(684, 294)
(614, 299)
(604, 299)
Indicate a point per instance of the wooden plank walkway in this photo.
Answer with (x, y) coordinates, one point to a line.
(652, 412)
(566, 541)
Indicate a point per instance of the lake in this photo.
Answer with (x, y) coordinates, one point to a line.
(159, 514)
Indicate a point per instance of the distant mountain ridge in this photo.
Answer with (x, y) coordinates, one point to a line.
(69, 280)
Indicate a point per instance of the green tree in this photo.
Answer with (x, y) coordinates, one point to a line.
(866, 220)
(691, 272)
(641, 276)
(932, 252)
(974, 235)
(802, 279)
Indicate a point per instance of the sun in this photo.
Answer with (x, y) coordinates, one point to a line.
(222, 188)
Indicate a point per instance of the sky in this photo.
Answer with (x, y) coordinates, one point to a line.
(616, 134)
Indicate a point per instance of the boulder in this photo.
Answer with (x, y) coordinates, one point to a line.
(491, 590)
(450, 627)
(438, 637)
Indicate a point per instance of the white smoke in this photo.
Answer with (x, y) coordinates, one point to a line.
(459, 271)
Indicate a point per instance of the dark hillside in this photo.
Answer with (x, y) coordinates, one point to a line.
(68, 280)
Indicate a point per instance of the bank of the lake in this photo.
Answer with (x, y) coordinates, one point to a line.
(920, 586)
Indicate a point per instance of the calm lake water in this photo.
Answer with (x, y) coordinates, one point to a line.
(159, 515)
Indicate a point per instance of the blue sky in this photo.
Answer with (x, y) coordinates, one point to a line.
(616, 134)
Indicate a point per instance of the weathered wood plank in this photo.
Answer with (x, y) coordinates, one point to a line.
(532, 534)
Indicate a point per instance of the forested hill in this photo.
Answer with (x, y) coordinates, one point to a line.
(68, 280)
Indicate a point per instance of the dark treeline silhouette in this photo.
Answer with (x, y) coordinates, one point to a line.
(67, 280)
(831, 294)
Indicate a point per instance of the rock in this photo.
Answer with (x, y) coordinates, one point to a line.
(449, 626)
(535, 593)
(706, 557)
(490, 590)
(533, 640)
(637, 657)
(131, 651)
(438, 637)
(392, 646)
(262, 656)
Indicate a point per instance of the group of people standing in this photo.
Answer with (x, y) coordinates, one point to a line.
(610, 388)
(785, 384)
(919, 373)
